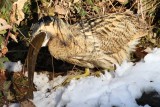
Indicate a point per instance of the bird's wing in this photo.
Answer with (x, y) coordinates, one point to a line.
(113, 31)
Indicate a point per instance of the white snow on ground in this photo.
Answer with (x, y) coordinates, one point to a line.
(13, 66)
(119, 88)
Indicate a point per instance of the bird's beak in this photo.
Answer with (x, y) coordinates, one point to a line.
(33, 51)
(45, 36)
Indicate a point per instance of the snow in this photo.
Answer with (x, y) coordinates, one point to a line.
(13, 66)
(120, 88)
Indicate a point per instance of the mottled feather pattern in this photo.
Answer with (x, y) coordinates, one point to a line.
(99, 42)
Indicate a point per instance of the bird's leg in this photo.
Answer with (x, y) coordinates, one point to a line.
(87, 73)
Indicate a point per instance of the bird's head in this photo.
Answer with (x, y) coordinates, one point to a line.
(51, 25)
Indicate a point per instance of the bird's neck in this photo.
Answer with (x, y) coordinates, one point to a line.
(64, 34)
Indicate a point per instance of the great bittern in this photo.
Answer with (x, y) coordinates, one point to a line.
(100, 42)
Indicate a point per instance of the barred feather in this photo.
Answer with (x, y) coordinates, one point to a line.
(98, 42)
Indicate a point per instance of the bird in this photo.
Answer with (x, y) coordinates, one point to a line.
(99, 42)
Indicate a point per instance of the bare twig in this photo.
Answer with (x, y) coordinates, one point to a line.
(112, 5)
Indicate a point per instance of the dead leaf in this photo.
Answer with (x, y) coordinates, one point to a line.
(13, 14)
(4, 25)
(14, 37)
(75, 1)
(27, 103)
(60, 10)
(18, 12)
(4, 50)
(0, 54)
(123, 1)
(9, 96)
(139, 53)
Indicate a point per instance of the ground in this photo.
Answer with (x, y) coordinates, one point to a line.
(123, 87)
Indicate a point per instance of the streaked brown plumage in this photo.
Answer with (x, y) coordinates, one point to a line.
(99, 42)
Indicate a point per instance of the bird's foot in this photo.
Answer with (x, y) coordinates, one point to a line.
(69, 78)
(66, 81)
(87, 73)
(98, 73)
